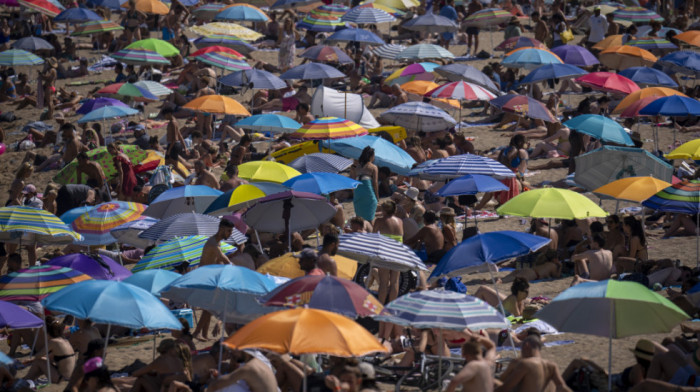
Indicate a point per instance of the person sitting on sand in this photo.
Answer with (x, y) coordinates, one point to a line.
(255, 374)
(681, 225)
(173, 364)
(71, 147)
(635, 249)
(547, 266)
(512, 304)
(286, 104)
(381, 99)
(62, 357)
(70, 73)
(531, 372)
(476, 375)
(594, 264)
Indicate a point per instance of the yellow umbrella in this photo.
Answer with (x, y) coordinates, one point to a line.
(242, 196)
(217, 104)
(288, 266)
(150, 7)
(553, 203)
(608, 42)
(223, 28)
(422, 87)
(689, 150)
(626, 56)
(604, 9)
(266, 171)
(643, 93)
(158, 157)
(636, 189)
(399, 4)
(378, 6)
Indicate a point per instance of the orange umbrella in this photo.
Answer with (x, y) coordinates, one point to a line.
(422, 87)
(643, 93)
(608, 42)
(288, 266)
(306, 331)
(626, 56)
(217, 104)
(691, 37)
(636, 189)
(150, 6)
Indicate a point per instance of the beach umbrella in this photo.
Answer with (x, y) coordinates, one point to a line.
(77, 15)
(323, 53)
(173, 252)
(328, 128)
(644, 30)
(94, 265)
(691, 37)
(419, 116)
(637, 15)
(254, 78)
(93, 104)
(106, 113)
(487, 18)
(215, 48)
(355, 35)
(15, 57)
(632, 111)
(69, 216)
(471, 184)
(188, 224)
(321, 162)
(643, 93)
(609, 42)
(44, 226)
(600, 127)
(287, 266)
(68, 174)
(424, 51)
(337, 10)
(41, 6)
(365, 15)
(217, 104)
(688, 150)
(530, 58)
(286, 4)
(388, 51)
(32, 44)
(312, 71)
(645, 76)
(608, 82)
(228, 41)
(379, 251)
(225, 61)
(243, 196)
(386, 154)
(389, 10)
(206, 12)
(685, 62)
(462, 91)
(266, 171)
(430, 22)
(328, 293)
(242, 12)
(400, 4)
(552, 203)
(552, 71)
(289, 211)
(612, 309)
(153, 281)
(128, 90)
(188, 198)
(412, 72)
(128, 233)
(275, 123)
(423, 87)
(652, 43)
(635, 189)
(230, 29)
(321, 23)
(575, 55)
(95, 27)
(95, 224)
(150, 7)
(460, 165)
(455, 72)
(513, 43)
(153, 88)
(673, 105)
(163, 48)
(622, 57)
(16, 317)
(139, 57)
(524, 106)
(115, 5)
(608, 163)
(34, 283)
(320, 183)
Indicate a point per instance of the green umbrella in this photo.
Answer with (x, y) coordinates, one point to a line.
(163, 48)
(68, 174)
(553, 203)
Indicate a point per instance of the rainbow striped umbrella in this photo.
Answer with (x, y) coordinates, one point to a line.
(172, 253)
(35, 283)
(488, 17)
(227, 41)
(462, 91)
(15, 57)
(139, 57)
(207, 12)
(321, 23)
(409, 73)
(334, 10)
(681, 198)
(328, 128)
(652, 43)
(68, 174)
(42, 6)
(637, 15)
(530, 58)
(390, 10)
(45, 226)
(94, 27)
(226, 61)
(97, 223)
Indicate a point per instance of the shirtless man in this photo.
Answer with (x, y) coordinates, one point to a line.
(287, 104)
(71, 147)
(338, 220)
(233, 181)
(391, 226)
(303, 115)
(204, 176)
(239, 153)
(255, 373)
(325, 256)
(531, 373)
(594, 264)
(92, 169)
(476, 375)
(541, 29)
(431, 236)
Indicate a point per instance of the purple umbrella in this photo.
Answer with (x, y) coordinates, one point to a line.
(17, 317)
(97, 103)
(575, 55)
(96, 266)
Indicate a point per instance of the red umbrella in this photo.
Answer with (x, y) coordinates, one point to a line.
(216, 48)
(42, 6)
(632, 111)
(608, 82)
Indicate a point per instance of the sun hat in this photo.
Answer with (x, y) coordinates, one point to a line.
(412, 193)
(29, 189)
(644, 349)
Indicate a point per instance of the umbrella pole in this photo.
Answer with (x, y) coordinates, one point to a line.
(617, 206)
(36, 336)
(697, 238)
(441, 344)
(48, 363)
(223, 328)
(155, 336)
(612, 324)
(503, 310)
(104, 354)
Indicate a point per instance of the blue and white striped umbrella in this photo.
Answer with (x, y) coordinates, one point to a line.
(455, 72)
(365, 15)
(154, 88)
(321, 162)
(355, 35)
(444, 310)
(419, 116)
(424, 51)
(258, 78)
(460, 165)
(187, 225)
(380, 251)
(388, 51)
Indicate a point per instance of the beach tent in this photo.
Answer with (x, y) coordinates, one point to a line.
(328, 102)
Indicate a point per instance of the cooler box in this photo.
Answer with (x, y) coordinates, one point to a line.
(186, 314)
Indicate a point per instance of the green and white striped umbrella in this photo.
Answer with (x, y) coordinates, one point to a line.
(154, 88)
(174, 252)
(14, 57)
(140, 57)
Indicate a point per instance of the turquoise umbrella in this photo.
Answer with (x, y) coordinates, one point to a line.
(531, 58)
(107, 112)
(600, 127)
(14, 57)
(153, 281)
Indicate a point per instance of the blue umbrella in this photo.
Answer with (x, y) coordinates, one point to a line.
(682, 61)
(321, 162)
(290, 3)
(111, 4)
(355, 35)
(385, 153)
(429, 22)
(107, 112)
(242, 13)
(94, 104)
(257, 78)
(674, 105)
(188, 224)
(530, 58)
(552, 71)
(69, 216)
(188, 198)
(419, 116)
(645, 76)
(32, 44)
(269, 123)
(14, 316)
(460, 165)
(471, 184)
(575, 55)
(312, 71)
(365, 15)
(472, 254)
(77, 15)
(600, 127)
(153, 280)
(320, 183)
(113, 303)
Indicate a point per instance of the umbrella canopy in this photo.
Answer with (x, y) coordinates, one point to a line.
(106, 113)
(683, 61)
(156, 7)
(473, 254)
(424, 51)
(257, 78)
(513, 43)
(32, 44)
(600, 127)
(94, 104)
(328, 128)
(228, 41)
(455, 72)
(524, 106)
(636, 189)
(400, 4)
(306, 331)
(97, 300)
(530, 58)
(312, 71)
(275, 123)
(365, 15)
(227, 61)
(637, 15)
(93, 265)
(444, 310)
(243, 196)
(139, 57)
(643, 93)
(380, 251)
(355, 35)
(689, 150)
(460, 165)
(242, 12)
(644, 30)
(94, 27)
(328, 54)
(672, 106)
(68, 175)
(188, 198)
(412, 72)
(14, 316)
(329, 293)
(652, 43)
(153, 281)
(321, 162)
(419, 116)
(337, 10)
(487, 18)
(322, 23)
(77, 15)
(287, 266)
(188, 224)
(690, 37)
(206, 12)
(267, 171)
(14, 57)
(609, 42)
(18, 220)
(320, 183)
(215, 48)
(646, 77)
(553, 71)
(289, 211)
(163, 48)
(575, 55)
(35, 283)
(69, 216)
(95, 224)
(471, 184)
(385, 153)
(623, 57)
(286, 4)
(430, 22)
(609, 163)
(632, 111)
(217, 104)
(153, 88)
(681, 198)
(388, 51)
(608, 82)
(229, 29)
(41, 6)
(463, 91)
(127, 90)
(128, 233)
(170, 254)
(552, 203)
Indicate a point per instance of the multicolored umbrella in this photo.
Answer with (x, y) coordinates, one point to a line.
(217, 104)
(328, 128)
(652, 43)
(215, 48)
(242, 12)
(95, 27)
(643, 93)
(329, 293)
(462, 91)
(389, 10)
(400, 4)
(228, 41)
(206, 12)
(95, 225)
(17, 220)
(139, 57)
(328, 54)
(513, 43)
(15, 57)
(422, 87)
(68, 174)
(487, 18)
(575, 55)
(455, 72)
(681, 198)
(225, 61)
(156, 7)
(530, 58)
(637, 15)
(243, 196)
(622, 57)
(635, 189)
(222, 28)
(266, 171)
(554, 203)
(94, 104)
(424, 51)
(42, 6)
(163, 48)
(287, 266)
(172, 253)
(524, 106)
(632, 111)
(608, 82)
(35, 283)
(409, 73)
(154, 88)
(128, 90)
(320, 23)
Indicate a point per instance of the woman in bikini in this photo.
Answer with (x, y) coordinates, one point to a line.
(62, 357)
(131, 21)
(512, 304)
(636, 245)
(171, 365)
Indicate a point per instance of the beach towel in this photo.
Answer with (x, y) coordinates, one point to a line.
(104, 63)
(364, 200)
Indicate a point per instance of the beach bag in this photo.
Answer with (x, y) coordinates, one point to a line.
(455, 284)
(566, 35)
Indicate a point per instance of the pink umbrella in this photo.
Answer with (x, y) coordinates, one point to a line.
(632, 111)
(608, 82)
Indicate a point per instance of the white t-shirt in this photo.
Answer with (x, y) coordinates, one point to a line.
(598, 27)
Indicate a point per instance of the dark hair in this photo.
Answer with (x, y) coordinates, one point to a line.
(55, 329)
(534, 14)
(330, 238)
(232, 170)
(245, 139)
(226, 223)
(519, 284)
(94, 345)
(533, 341)
(167, 110)
(196, 134)
(389, 207)
(430, 217)
(471, 347)
(597, 227)
(636, 229)
(82, 155)
(599, 239)
(67, 127)
(103, 377)
(517, 140)
(366, 155)
(303, 105)
(385, 171)
(15, 257)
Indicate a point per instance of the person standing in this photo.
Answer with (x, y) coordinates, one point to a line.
(597, 28)
(449, 12)
(473, 32)
(541, 29)
(366, 194)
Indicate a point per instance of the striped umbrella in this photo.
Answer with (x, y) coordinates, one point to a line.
(14, 57)
(45, 226)
(35, 283)
(487, 18)
(95, 225)
(227, 41)
(455, 71)
(637, 15)
(243, 196)
(463, 91)
(513, 43)
(127, 90)
(94, 27)
(176, 251)
(460, 165)
(225, 61)
(321, 23)
(324, 53)
(524, 106)
(139, 57)
(182, 199)
(419, 116)
(334, 10)
(380, 251)
(188, 224)
(242, 12)
(644, 30)
(409, 73)
(364, 15)
(608, 82)
(424, 51)
(207, 12)
(320, 162)
(652, 43)
(154, 88)
(388, 51)
(42, 6)
(328, 128)
(223, 28)
(530, 58)
(389, 10)
(215, 48)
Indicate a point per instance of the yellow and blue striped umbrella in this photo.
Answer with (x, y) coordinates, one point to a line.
(35, 283)
(172, 253)
(18, 220)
